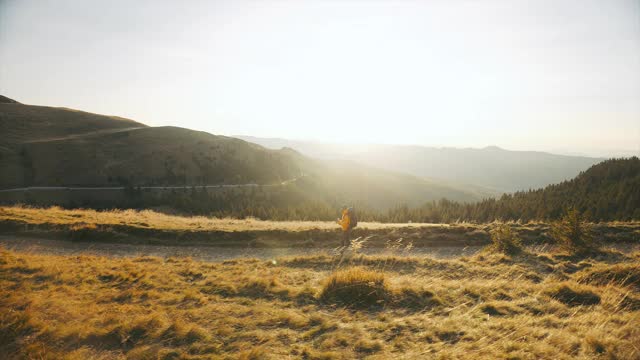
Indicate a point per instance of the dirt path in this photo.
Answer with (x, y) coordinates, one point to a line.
(88, 134)
(205, 253)
(168, 187)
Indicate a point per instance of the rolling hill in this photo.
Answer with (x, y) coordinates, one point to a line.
(491, 167)
(607, 191)
(21, 124)
(45, 146)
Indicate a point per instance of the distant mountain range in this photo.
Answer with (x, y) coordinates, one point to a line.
(490, 167)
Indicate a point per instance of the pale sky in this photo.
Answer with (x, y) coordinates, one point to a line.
(550, 75)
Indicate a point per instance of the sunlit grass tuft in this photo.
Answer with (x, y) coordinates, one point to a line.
(356, 287)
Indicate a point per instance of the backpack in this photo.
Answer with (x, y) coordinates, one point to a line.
(353, 218)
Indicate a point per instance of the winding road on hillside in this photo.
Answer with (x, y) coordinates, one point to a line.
(169, 187)
(92, 133)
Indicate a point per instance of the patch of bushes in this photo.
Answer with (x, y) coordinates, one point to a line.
(505, 240)
(499, 308)
(573, 295)
(449, 336)
(15, 326)
(356, 288)
(619, 274)
(573, 233)
(81, 231)
(257, 353)
(181, 333)
(415, 299)
(368, 346)
(360, 288)
(251, 288)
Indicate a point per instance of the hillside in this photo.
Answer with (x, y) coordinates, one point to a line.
(153, 156)
(62, 147)
(605, 192)
(490, 167)
(4, 99)
(22, 124)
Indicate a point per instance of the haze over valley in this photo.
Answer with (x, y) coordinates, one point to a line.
(491, 167)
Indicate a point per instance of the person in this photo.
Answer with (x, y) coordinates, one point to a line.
(345, 223)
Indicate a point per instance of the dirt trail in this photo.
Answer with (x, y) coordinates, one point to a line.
(92, 133)
(204, 253)
(165, 187)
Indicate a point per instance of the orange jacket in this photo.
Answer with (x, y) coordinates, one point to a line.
(345, 221)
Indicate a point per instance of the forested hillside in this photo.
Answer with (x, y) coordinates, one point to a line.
(606, 191)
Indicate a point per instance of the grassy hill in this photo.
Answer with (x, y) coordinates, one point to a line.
(606, 191)
(62, 147)
(22, 124)
(153, 156)
(490, 167)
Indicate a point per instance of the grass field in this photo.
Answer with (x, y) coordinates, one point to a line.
(155, 220)
(151, 227)
(490, 305)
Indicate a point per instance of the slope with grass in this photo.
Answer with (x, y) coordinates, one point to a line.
(22, 124)
(320, 307)
(154, 156)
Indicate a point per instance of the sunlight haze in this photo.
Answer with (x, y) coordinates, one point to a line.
(561, 76)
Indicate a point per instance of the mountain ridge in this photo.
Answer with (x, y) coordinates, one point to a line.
(490, 167)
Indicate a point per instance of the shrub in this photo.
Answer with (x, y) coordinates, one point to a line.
(355, 287)
(182, 333)
(573, 296)
(415, 299)
(81, 231)
(618, 274)
(505, 240)
(499, 308)
(256, 353)
(368, 346)
(573, 233)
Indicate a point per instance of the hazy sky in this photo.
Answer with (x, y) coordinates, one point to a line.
(542, 75)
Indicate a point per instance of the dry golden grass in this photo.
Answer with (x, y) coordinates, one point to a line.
(486, 306)
(147, 226)
(156, 220)
(355, 287)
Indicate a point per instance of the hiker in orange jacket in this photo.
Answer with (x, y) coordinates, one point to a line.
(345, 223)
